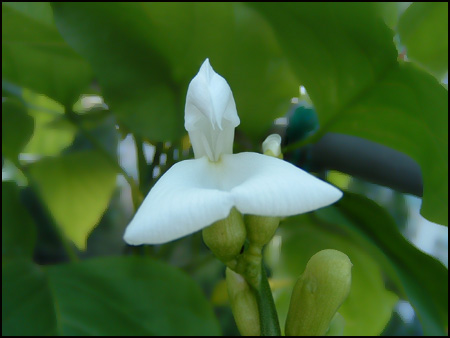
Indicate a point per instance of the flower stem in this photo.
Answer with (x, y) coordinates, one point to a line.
(266, 306)
(250, 266)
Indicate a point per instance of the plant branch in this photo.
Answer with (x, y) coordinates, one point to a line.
(267, 312)
(364, 159)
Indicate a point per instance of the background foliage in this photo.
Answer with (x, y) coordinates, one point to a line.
(371, 70)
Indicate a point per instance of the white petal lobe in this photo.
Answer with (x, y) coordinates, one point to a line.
(267, 186)
(183, 201)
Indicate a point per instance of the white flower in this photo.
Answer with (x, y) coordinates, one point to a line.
(193, 194)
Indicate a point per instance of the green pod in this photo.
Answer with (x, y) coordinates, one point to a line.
(225, 238)
(260, 229)
(243, 304)
(318, 294)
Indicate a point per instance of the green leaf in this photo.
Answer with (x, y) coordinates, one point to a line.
(369, 305)
(49, 138)
(17, 128)
(35, 56)
(346, 58)
(107, 296)
(158, 48)
(28, 308)
(423, 29)
(18, 229)
(135, 80)
(421, 278)
(76, 189)
(261, 79)
(408, 111)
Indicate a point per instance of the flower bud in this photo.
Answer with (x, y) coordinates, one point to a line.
(226, 237)
(243, 304)
(272, 146)
(318, 294)
(260, 229)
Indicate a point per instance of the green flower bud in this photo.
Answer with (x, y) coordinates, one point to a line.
(243, 304)
(318, 294)
(226, 237)
(260, 229)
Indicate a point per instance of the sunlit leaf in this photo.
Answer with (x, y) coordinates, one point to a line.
(52, 133)
(76, 189)
(35, 56)
(345, 56)
(423, 29)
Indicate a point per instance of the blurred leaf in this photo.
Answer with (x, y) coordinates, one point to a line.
(18, 229)
(369, 305)
(49, 137)
(349, 68)
(17, 128)
(115, 39)
(422, 279)
(130, 295)
(76, 189)
(157, 48)
(27, 305)
(408, 111)
(261, 79)
(35, 56)
(423, 29)
(107, 296)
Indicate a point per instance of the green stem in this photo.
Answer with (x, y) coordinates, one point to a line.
(267, 312)
(143, 168)
(136, 194)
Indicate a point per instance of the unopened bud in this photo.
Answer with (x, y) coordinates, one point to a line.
(272, 146)
(260, 229)
(243, 304)
(226, 237)
(318, 294)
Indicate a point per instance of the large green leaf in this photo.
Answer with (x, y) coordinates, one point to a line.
(419, 277)
(135, 79)
(262, 82)
(369, 305)
(158, 48)
(18, 230)
(28, 308)
(76, 189)
(35, 56)
(108, 296)
(17, 128)
(423, 29)
(345, 56)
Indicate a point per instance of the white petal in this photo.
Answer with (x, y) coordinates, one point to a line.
(267, 186)
(183, 201)
(210, 114)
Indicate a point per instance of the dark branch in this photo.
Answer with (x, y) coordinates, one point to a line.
(364, 159)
